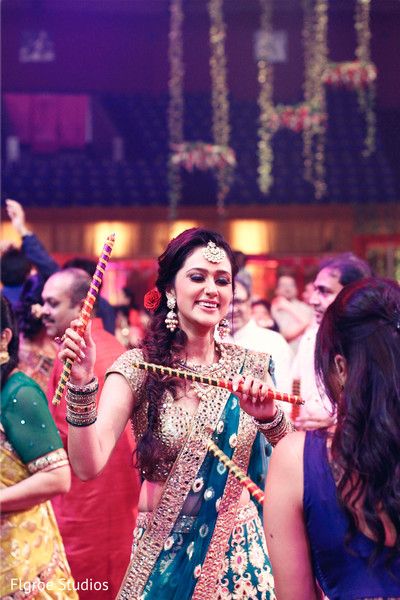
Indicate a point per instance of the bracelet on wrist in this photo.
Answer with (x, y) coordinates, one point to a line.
(74, 423)
(268, 424)
(276, 429)
(87, 388)
(81, 403)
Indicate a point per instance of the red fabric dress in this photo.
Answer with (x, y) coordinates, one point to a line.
(96, 518)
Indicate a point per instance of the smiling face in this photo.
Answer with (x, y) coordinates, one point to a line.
(203, 291)
(326, 288)
(57, 311)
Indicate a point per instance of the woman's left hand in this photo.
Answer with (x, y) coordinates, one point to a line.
(253, 396)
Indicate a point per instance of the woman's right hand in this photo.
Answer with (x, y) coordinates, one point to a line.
(81, 350)
(253, 396)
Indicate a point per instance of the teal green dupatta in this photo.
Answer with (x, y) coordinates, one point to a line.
(178, 561)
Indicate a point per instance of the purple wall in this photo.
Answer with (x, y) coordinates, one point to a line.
(127, 52)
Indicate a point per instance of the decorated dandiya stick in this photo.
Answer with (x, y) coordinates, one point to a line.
(222, 383)
(295, 409)
(86, 310)
(240, 475)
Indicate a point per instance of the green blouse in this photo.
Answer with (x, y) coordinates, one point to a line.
(26, 419)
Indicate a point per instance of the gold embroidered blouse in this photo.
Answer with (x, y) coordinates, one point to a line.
(174, 421)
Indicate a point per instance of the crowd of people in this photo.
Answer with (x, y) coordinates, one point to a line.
(115, 492)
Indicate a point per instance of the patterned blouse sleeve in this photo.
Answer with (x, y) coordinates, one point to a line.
(31, 430)
(124, 366)
(260, 365)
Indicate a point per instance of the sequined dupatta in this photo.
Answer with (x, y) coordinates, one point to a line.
(168, 563)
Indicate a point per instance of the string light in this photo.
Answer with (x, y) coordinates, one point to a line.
(316, 52)
(366, 94)
(309, 117)
(265, 80)
(176, 102)
(219, 96)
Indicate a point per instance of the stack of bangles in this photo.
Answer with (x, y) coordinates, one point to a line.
(276, 429)
(81, 403)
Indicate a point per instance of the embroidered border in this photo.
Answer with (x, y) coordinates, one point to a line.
(176, 488)
(48, 462)
(227, 515)
(208, 581)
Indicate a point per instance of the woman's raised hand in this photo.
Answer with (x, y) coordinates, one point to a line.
(81, 350)
(253, 396)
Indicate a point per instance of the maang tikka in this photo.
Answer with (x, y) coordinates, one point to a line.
(213, 253)
(171, 320)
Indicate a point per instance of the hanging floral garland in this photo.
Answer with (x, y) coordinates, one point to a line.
(176, 101)
(366, 94)
(198, 155)
(315, 54)
(352, 74)
(359, 75)
(219, 97)
(265, 80)
(297, 118)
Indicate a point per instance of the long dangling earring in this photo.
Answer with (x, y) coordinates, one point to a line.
(223, 328)
(171, 320)
(4, 355)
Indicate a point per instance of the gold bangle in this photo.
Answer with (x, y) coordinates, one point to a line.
(82, 390)
(276, 429)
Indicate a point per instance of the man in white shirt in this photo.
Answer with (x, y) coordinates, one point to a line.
(291, 314)
(246, 333)
(333, 276)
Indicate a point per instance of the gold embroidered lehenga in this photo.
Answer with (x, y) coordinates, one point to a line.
(199, 542)
(33, 561)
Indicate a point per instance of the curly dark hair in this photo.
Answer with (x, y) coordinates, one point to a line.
(8, 321)
(15, 267)
(160, 346)
(363, 326)
(31, 293)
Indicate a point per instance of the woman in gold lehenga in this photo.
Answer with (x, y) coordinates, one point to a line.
(198, 534)
(34, 467)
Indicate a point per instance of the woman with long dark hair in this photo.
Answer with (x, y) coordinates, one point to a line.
(198, 534)
(332, 508)
(34, 467)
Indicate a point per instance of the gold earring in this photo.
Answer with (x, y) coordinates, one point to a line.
(223, 328)
(171, 320)
(4, 355)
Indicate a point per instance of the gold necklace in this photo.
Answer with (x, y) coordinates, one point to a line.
(205, 369)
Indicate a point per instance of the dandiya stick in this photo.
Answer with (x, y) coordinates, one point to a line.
(295, 409)
(86, 310)
(223, 383)
(240, 475)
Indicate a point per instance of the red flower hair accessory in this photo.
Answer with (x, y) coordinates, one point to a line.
(152, 299)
